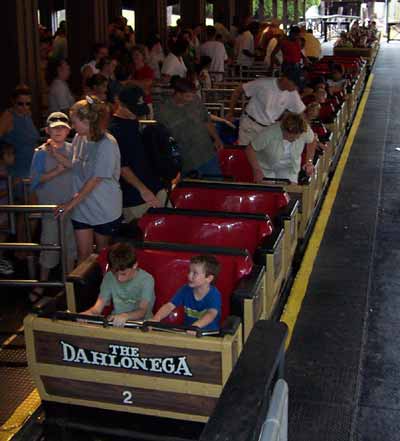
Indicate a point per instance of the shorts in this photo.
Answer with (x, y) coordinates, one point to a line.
(49, 236)
(248, 130)
(136, 212)
(108, 229)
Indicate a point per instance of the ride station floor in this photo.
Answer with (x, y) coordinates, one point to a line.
(343, 360)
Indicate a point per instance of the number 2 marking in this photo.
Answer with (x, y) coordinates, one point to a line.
(127, 397)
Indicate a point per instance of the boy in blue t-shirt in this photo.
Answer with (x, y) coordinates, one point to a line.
(200, 298)
(51, 180)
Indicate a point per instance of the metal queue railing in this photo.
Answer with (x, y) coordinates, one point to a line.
(26, 210)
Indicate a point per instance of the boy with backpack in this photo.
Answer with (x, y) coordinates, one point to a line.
(141, 186)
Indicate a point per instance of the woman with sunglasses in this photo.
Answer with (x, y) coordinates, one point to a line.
(96, 204)
(17, 128)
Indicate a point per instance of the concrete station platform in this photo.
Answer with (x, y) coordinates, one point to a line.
(343, 362)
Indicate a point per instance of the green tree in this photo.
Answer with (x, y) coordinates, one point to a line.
(263, 8)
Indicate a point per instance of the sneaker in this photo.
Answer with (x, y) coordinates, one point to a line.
(6, 267)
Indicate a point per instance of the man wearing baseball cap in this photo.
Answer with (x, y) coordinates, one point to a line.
(51, 180)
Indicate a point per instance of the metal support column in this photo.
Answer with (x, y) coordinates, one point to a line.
(244, 9)
(285, 13)
(193, 12)
(151, 19)
(224, 11)
(20, 35)
(296, 11)
(87, 23)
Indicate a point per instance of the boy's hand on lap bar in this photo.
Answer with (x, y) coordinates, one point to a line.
(119, 320)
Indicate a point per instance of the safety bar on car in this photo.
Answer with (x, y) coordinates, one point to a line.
(145, 326)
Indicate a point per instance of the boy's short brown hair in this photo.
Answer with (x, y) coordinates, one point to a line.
(121, 256)
(210, 264)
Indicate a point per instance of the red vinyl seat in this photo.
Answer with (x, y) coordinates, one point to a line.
(230, 198)
(169, 265)
(218, 230)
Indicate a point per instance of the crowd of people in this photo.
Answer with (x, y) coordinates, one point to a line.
(103, 176)
(359, 36)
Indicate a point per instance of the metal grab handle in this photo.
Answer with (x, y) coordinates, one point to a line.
(143, 325)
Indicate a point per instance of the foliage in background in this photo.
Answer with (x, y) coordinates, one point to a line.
(263, 8)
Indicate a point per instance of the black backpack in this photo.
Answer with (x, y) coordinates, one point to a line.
(162, 151)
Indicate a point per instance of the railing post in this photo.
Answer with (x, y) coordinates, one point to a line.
(63, 252)
(11, 216)
(34, 247)
(28, 231)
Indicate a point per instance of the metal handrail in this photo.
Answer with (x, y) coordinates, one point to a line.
(245, 404)
(31, 246)
(275, 427)
(11, 216)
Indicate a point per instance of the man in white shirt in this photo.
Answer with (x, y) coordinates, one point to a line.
(244, 48)
(216, 51)
(173, 63)
(244, 44)
(269, 99)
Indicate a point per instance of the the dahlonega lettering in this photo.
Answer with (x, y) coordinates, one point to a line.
(125, 357)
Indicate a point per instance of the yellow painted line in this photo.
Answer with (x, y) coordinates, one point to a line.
(19, 416)
(299, 289)
(23, 411)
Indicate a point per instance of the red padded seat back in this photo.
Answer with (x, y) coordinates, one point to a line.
(340, 96)
(233, 163)
(233, 200)
(308, 99)
(334, 101)
(205, 230)
(170, 267)
(319, 129)
(327, 112)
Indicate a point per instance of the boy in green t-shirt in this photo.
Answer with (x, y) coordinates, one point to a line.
(130, 288)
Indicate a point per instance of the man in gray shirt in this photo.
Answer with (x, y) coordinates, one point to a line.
(187, 119)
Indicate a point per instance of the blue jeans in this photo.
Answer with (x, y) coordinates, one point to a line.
(211, 168)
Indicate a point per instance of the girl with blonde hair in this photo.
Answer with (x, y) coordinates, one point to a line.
(96, 204)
